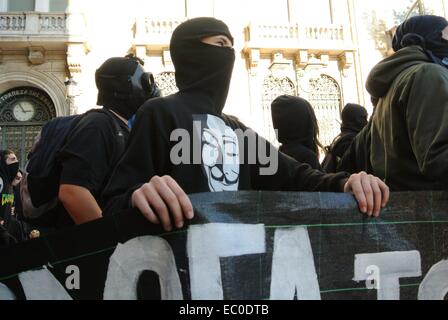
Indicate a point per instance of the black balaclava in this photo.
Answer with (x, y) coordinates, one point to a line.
(8, 171)
(293, 117)
(424, 31)
(354, 117)
(123, 86)
(202, 67)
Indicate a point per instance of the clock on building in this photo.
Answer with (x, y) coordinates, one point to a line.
(23, 110)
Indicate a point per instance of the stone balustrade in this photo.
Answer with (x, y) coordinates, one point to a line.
(53, 22)
(296, 36)
(41, 24)
(155, 33)
(12, 22)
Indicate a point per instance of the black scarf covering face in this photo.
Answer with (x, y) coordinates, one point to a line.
(8, 172)
(202, 67)
(426, 32)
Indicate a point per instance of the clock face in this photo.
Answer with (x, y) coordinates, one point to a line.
(23, 111)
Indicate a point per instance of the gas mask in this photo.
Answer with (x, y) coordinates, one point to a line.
(124, 86)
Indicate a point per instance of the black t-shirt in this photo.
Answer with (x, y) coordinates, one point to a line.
(91, 152)
(6, 197)
(151, 152)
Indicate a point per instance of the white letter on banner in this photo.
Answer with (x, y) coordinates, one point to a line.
(137, 255)
(5, 293)
(293, 267)
(435, 284)
(391, 266)
(207, 243)
(42, 285)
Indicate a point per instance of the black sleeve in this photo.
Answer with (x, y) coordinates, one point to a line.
(343, 145)
(305, 155)
(146, 155)
(348, 161)
(88, 154)
(292, 175)
(313, 161)
(357, 156)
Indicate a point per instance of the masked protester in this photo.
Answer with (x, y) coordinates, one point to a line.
(97, 141)
(354, 119)
(9, 166)
(156, 173)
(409, 132)
(297, 128)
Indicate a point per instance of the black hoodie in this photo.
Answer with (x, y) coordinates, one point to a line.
(354, 119)
(295, 122)
(216, 161)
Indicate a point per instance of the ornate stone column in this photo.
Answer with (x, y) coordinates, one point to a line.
(75, 56)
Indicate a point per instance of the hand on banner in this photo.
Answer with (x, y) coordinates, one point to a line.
(163, 201)
(370, 192)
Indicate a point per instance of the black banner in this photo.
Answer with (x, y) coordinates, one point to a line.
(245, 246)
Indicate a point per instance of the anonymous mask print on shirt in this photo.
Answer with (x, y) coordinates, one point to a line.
(219, 154)
(1, 184)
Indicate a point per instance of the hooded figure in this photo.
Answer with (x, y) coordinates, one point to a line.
(426, 32)
(187, 137)
(407, 142)
(297, 127)
(203, 68)
(354, 119)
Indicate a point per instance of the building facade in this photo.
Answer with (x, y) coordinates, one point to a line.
(321, 50)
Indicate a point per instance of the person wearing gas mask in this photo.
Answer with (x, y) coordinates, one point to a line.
(98, 140)
(150, 175)
(408, 138)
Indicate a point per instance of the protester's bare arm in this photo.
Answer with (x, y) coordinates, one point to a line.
(370, 192)
(79, 203)
(162, 201)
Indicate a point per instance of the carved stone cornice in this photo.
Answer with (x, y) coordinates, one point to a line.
(75, 55)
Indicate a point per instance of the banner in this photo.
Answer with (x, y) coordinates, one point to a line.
(244, 246)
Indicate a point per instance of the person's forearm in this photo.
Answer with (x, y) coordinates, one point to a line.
(79, 203)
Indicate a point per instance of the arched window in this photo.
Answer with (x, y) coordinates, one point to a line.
(325, 97)
(166, 82)
(272, 88)
(23, 112)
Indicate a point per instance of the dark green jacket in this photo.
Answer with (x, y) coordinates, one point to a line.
(409, 131)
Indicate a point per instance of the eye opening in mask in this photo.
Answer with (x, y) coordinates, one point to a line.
(219, 40)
